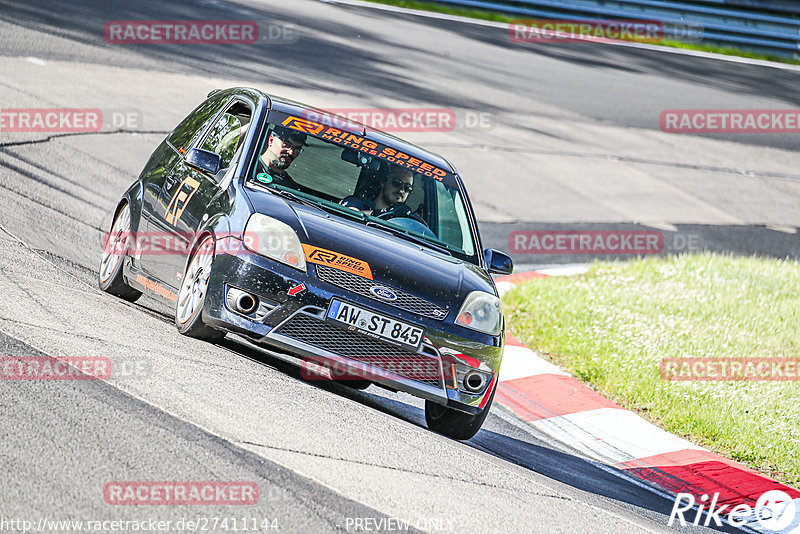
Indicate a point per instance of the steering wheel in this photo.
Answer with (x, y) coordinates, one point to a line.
(398, 209)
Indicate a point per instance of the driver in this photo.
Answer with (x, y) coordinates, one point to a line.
(395, 188)
(282, 147)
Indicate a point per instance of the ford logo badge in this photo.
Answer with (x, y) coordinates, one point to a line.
(383, 293)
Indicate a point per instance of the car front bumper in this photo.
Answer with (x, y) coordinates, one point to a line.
(291, 317)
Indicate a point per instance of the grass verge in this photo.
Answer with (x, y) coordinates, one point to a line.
(612, 326)
(499, 17)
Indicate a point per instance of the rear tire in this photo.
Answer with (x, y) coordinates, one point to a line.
(109, 276)
(455, 424)
(192, 295)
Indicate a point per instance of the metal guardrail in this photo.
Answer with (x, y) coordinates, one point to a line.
(745, 24)
(775, 6)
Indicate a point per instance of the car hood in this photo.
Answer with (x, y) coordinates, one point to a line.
(393, 261)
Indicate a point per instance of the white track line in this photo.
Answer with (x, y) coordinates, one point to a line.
(612, 435)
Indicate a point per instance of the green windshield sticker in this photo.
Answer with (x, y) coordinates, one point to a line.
(264, 178)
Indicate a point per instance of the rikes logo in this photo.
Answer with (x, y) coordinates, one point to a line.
(383, 293)
(302, 125)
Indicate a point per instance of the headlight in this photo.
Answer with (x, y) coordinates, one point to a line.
(271, 238)
(481, 311)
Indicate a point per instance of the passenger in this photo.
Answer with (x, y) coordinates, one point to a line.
(395, 188)
(281, 149)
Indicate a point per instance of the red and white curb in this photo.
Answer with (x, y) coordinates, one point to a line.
(562, 407)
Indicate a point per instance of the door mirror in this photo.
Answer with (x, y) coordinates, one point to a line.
(203, 161)
(498, 262)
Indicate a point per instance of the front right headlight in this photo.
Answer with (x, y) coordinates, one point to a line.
(481, 311)
(274, 239)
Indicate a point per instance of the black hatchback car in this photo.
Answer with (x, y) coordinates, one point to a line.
(345, 246)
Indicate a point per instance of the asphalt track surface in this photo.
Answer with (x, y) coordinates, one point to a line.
(563, 121)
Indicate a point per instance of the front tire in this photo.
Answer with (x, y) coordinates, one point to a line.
(115, 248)
(455, 424)
(192, 295)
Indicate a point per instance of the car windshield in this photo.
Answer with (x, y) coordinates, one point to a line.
(353, 177)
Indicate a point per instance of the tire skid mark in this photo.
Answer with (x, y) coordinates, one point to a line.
(119, 170)
(52, 208)
(44, 169)
(45, 255)
(42, 181)
(35, 299)
(40, 281)
(398, 469)
(89, 337)
(80, 134)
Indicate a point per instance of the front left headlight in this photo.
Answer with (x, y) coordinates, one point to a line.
(274, 239)
(481, 311)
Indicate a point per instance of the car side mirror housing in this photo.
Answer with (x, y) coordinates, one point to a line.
(498, 262)
(203, 161)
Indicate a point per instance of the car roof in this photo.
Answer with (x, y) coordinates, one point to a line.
(298, 108)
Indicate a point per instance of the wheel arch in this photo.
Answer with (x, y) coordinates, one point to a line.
(198, 239)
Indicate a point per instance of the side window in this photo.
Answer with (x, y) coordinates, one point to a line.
(224, 136)
(453, 222)
(467, 245)
(194, 122)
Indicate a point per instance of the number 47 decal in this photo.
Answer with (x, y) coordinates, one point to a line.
(181, 199)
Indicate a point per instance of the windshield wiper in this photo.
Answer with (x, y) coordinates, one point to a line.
(347, 212)
(300, 200)
(408, 236)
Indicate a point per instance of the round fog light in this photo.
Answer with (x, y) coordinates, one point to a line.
(474, 381)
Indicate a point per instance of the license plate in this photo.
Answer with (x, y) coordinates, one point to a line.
(375, 325)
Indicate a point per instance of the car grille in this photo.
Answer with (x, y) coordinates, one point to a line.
(413, 366)
(360, 285)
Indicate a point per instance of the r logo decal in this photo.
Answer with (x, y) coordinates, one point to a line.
(337, 261)
(180, 199)
(302, 125)
(323, 256)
